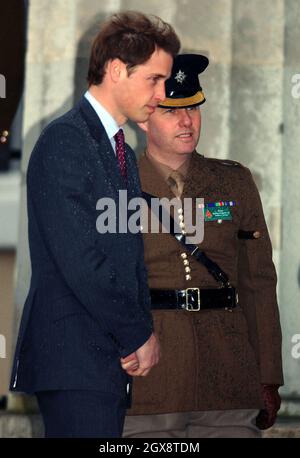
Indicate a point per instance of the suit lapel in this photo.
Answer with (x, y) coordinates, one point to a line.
(133, 181)
(107, 155)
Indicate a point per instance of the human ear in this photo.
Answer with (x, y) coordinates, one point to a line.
(115, 68)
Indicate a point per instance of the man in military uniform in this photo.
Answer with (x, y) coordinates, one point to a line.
(214, 304)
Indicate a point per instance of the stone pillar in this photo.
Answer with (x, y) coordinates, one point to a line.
(290, 251)
(256, 100)
(205, 26)
(198, 34)
(48, 93)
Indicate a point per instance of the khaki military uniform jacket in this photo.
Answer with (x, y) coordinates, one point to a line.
(213, 359)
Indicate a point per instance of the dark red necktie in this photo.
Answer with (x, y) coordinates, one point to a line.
(120, 151)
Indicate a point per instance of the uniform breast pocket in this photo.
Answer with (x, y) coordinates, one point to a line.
(218, 232)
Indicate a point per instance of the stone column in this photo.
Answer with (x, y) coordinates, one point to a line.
(290, 251)
(206, 27)
(256, 100)
(48, 92)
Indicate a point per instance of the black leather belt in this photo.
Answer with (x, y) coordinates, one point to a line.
(194, 299)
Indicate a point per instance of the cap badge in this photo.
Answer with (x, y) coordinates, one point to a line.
(180, 77)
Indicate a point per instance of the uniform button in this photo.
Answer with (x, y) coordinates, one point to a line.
(183, 232)
(180, 217)
(5, 133)
(186, 262)
(188, 277)
(183, 255)
(182, 225)
(187, 269)
(180, 211)
(220, 221)
(3, 139)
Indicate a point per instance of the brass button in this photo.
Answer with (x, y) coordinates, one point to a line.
(188, 277)
(187, 269)
(183, 255)
(186, 262)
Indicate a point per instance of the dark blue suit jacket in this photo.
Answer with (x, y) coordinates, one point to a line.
(88, 302)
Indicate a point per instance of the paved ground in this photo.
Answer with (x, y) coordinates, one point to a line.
(25, 426)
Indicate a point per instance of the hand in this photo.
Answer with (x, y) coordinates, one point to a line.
(267, 416)
(130, 363)
(143, 359)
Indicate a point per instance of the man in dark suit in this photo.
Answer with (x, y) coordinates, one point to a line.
(88, 302)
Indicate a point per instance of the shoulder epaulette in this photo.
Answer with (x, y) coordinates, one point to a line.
(227, 162)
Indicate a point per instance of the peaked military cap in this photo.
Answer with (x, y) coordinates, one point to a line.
(183, 88)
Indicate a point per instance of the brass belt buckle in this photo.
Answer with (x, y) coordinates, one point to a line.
(191, 308)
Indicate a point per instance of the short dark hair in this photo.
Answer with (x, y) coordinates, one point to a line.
(131, 37)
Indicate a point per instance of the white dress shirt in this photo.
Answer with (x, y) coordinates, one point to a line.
(109, 124)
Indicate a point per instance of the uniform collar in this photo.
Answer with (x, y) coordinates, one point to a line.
(200, 175)
(164, 170)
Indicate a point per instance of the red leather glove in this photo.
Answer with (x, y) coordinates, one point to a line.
(267, 416)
